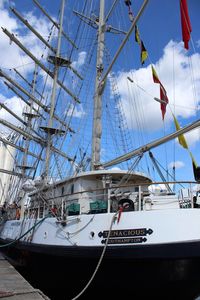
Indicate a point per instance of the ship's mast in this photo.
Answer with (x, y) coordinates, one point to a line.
(50, 130)
(29, 115)
(97, 127)
(101, 78)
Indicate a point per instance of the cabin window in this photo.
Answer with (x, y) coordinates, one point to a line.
(62, 190)
(137, 189)
(115, 181)
(41, 211)
(72, 188)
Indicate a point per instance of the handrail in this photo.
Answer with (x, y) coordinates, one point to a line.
(100, 195)
(122, 186)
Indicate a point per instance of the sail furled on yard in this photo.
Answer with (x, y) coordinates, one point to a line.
(183, 143)
(143, 51)
(163, 93)
(185, 23)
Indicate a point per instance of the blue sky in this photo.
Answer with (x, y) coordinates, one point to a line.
(178, 70)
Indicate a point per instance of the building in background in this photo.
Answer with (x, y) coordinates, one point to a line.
(7, 159)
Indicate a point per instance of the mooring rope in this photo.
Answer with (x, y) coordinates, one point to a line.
(98, 264)
(19, 238)
(100, 260)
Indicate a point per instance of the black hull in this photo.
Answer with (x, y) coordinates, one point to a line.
(137, 252)
(172, 280)
(62, 273)
(144, 279)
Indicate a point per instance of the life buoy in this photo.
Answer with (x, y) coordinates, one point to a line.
(127, 204)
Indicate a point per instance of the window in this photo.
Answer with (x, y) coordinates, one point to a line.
(136, 189)
(62, 190)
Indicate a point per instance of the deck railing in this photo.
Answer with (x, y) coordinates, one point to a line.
(132, 197)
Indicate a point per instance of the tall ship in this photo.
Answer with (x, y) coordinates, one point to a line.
(77, 181)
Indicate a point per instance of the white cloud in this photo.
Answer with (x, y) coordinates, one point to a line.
(192, 137)
(11, 55)
(77, 112)
(138, 97)
(14, 104)
(196, 187)
(80, 61)
(115, 169)
(40, 24)
(159, 188)
(177, 164)
(2, 3)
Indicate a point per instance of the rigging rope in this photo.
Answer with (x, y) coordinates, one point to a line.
(71, 107)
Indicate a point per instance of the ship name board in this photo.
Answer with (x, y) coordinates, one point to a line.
(125, 233)
(130, 240)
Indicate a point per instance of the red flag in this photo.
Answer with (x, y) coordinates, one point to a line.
(163, 96)
(185, 23)
(163, 93)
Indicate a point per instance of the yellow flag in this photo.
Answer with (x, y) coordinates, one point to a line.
(181, 138)
(144, 53)
(182, 142)
(137, 35)
(193, 161)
